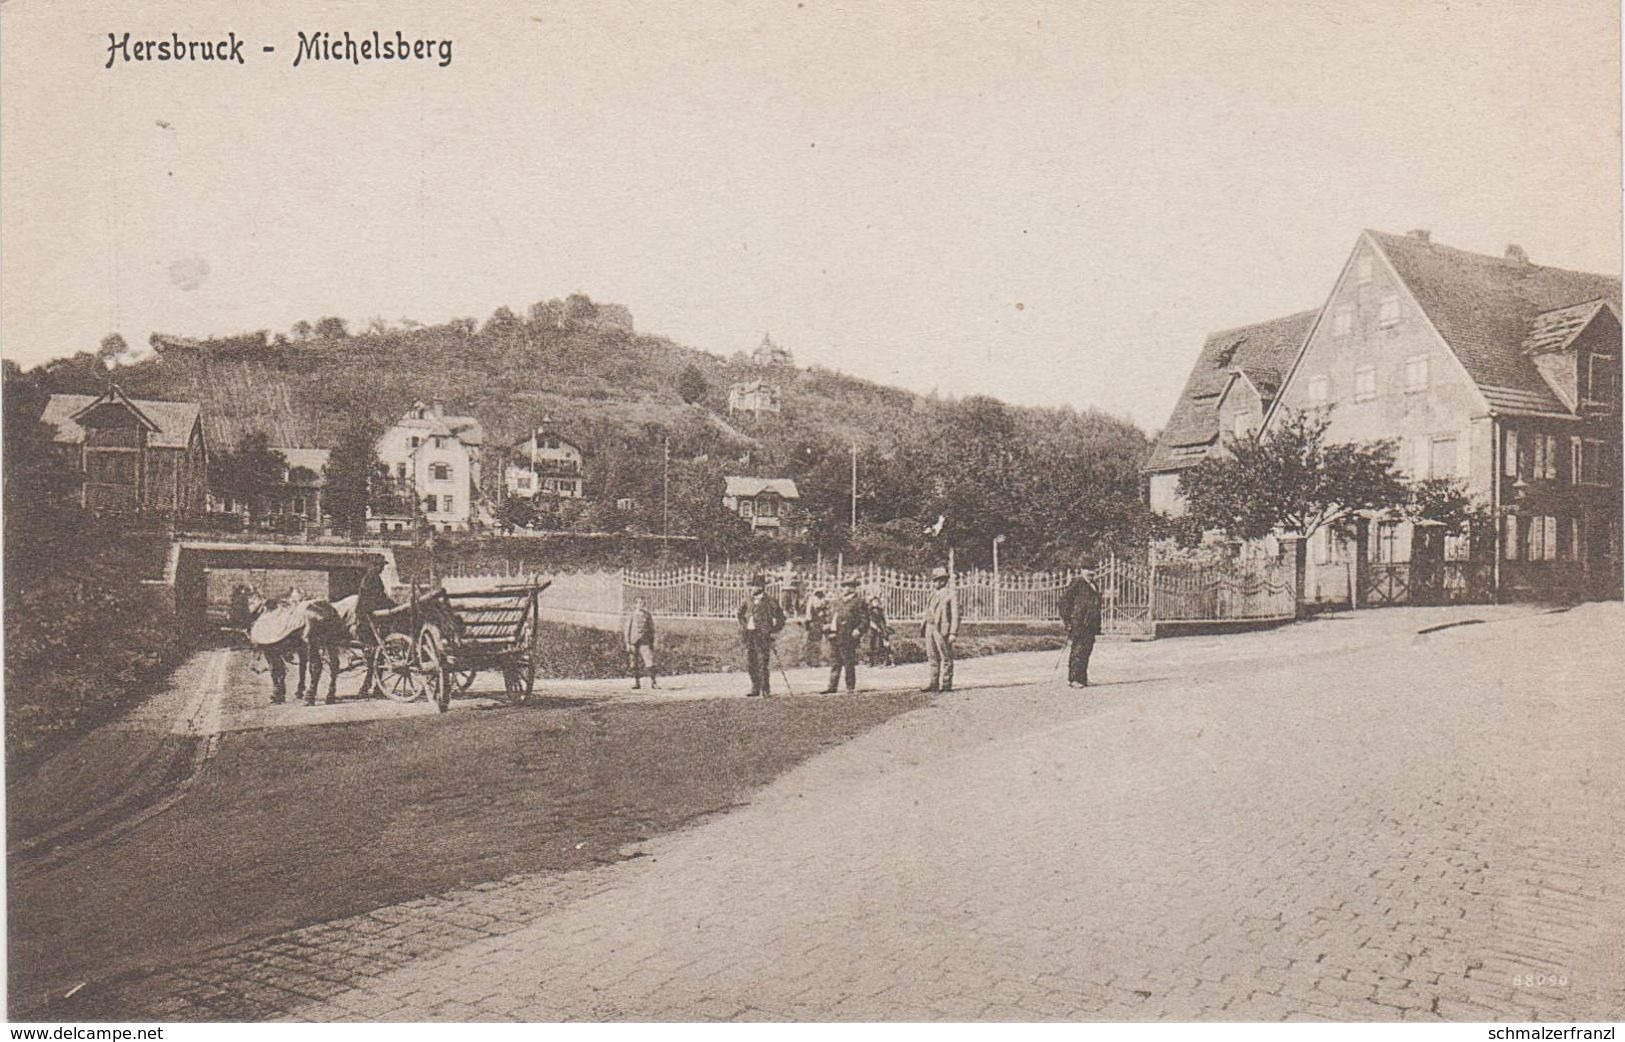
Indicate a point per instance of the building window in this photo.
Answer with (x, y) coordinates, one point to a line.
(523, 482)
(1388, 312)
(767, 507)
(413, 442)
(1362, 269)
(1320, 390)
(1416, 374)
(1509, 537)
(400, 471)
(1365, 383)
(1602, 379)
(440, 471)
(439, 442)
(299, 506)
(1595, 467)
(1545, 457)
(1442, 460)
(1509, 454)
(747, 508)
(1543, 539)
(1343, 320)
(1421, 455)
(448, 504)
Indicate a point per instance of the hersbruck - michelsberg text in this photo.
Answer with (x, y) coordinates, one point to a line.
(370, 47)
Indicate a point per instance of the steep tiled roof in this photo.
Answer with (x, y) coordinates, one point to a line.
(173, 420)
(1488, 308)
(1263, 351)
(1553, 330)
(785, 487)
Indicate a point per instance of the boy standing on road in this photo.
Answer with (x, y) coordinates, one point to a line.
(816, 619)
(640, 644)
(760, 620)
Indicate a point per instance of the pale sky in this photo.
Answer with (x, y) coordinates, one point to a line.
(1051, 204)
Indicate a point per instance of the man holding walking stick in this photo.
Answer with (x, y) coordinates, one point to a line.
(1080, 611)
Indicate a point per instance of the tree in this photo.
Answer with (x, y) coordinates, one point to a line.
(301, 330)
(1290, 480)
(579, 311)
(331, 328)
(691, 385)
(352, 471)
(502, 322)
(113, 348)
(252, 474)
(547, 314)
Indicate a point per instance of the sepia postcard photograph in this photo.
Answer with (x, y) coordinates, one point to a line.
(817, 512)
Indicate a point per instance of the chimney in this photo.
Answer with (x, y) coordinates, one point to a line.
(1420, 234)
(1515, 254)
(437, 408)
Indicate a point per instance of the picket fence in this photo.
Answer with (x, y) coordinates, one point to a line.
(1135, 596)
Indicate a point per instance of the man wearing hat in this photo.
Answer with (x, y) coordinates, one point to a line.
(760, 620)
(939, 628)
(848, 621)
(1080, 610)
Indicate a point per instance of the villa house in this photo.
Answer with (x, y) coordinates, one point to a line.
(544, 464)
(433, 463)
(754, 397)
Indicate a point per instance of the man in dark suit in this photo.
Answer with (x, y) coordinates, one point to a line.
(760, 620)
(1080, 610)
(848, 622)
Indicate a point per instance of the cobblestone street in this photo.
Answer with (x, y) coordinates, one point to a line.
(1345, 820)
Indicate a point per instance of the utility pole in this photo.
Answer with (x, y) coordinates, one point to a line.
(665, 493)
(854, 486)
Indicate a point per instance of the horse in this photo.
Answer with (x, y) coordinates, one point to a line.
(306, 630)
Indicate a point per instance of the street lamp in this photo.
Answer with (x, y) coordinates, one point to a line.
(996, 541)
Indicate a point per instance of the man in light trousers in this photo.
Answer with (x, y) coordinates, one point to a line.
(940, 628)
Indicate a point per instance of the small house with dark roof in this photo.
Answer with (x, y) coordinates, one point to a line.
(1232, 386)
(132, 455)
(768, 505)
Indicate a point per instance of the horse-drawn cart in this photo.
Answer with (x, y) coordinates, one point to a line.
(433, 645)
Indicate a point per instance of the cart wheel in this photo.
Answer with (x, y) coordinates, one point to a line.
(430, 668)
(393, 675)
(519, 672)
(519, 677)
(464, 680)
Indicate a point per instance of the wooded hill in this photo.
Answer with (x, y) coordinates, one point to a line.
(1053, 481)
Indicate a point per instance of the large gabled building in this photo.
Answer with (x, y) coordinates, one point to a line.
(1491, 371)
(1232, 386)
